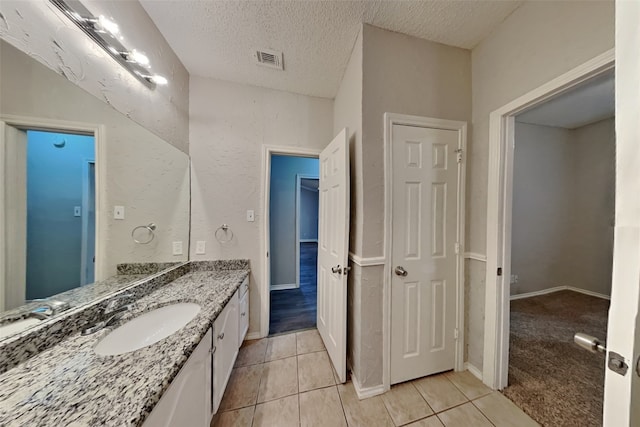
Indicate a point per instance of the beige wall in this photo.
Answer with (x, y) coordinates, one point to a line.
(563, 207)
(145, 174)
(40, 29)
(229, 124)
(539, 41)
(406, 75)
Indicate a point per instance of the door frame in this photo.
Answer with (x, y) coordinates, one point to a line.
(263, 289)
(51, 125)
(391, 119)
(86, 167)
(299, 178)
(499, 203)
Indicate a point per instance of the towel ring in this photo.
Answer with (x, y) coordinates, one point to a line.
(226, 230)
(150, 227)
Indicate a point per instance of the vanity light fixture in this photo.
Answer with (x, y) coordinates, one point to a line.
(106, 33)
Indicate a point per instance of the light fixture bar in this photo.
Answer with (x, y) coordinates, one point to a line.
(106, 34)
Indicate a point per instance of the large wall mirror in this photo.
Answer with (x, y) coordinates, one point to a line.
(83, 188)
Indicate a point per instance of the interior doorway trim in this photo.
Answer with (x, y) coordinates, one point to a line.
(499, 200)
(263, 288)
(391, 119)
(86, 194)
(299, 178)
(42, 124)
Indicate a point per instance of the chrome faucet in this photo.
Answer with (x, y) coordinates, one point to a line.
(113, 311)
(54, 306)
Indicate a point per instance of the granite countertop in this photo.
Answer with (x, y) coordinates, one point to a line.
(69, 384)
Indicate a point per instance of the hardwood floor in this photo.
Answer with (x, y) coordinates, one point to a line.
(295, 309)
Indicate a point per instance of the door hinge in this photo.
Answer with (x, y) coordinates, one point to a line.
(499, 271)
(457, 248)
(459, 155)
(456, 333)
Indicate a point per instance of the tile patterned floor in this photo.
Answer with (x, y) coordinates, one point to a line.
(288, 380)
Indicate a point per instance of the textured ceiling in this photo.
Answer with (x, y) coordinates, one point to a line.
(588, 103)
(217, 38)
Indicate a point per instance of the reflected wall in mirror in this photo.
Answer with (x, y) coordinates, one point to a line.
(76, 178)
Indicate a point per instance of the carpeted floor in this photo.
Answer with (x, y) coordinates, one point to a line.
(550, 378)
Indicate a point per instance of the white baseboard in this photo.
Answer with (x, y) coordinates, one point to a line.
(365, 392)
(366, 261)
(284, 286)
(475, 371)
(253, 336)
(556, 289)
(308, 240)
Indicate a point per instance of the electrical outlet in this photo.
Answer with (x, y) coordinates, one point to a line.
(514, 279)
(77, 211)
(250, 216)
(177, 248)
(201, 247)
(118, 212)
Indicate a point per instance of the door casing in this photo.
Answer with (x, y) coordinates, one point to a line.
(499, 201)
(267, 152)
(391, 119)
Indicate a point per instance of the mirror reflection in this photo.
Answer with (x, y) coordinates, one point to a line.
(84, 189)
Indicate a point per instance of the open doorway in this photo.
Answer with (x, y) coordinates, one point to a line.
(293, 229)
(561, 252)
(50, 206)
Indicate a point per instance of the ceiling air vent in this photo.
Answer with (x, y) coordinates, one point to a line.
(270, 58)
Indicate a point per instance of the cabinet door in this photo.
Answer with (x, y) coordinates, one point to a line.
(187, 400)
(226, 348)
(243, 320)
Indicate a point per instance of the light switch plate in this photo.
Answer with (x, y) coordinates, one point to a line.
(201, 246)
(118, 212)
(177, 248)
(77, 211)
(250, 216)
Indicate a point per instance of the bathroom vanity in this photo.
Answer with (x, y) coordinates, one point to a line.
(179, 380)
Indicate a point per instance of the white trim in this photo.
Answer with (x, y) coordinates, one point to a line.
(475, 256)
(557, 289)
(284, 286)
(499, 202)
(299, 186)
(253, 336)
(366, 261)
(85, 218)
(263, 288)
(391, 119)
(474, 371)
(99, 135)
(366, 392)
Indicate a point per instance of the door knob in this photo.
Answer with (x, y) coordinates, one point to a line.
(336, 269)
(588, 342)
(400, 271)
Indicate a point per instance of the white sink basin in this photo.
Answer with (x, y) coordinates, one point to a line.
(147, 329)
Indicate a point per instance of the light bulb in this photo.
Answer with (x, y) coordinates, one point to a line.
(138, 57)
(159, 80)
(108, 25)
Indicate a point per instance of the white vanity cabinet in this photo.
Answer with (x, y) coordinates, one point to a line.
(243, 311)
(225, 350)
(187, 400)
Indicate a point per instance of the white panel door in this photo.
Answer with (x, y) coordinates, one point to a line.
(333, 250)
(423, 285)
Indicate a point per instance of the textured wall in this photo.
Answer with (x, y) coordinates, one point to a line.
(38, 28)
(229, 125)
(563, 207)
(282, 215)
(539, 41)
(144, 173)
